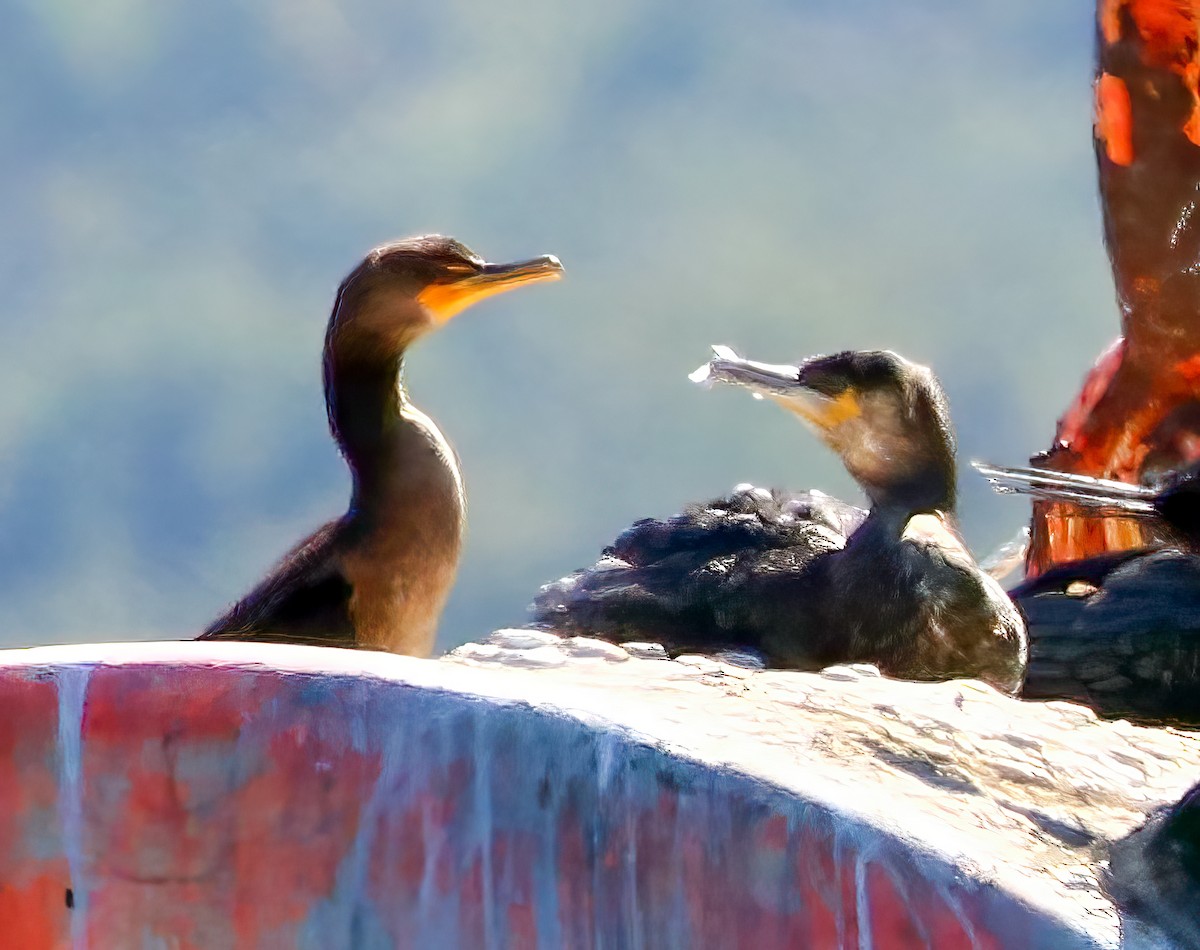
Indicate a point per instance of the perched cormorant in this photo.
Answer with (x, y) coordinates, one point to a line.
(1120, 631)
(803, 579)
(1154, 873)
(378, 576)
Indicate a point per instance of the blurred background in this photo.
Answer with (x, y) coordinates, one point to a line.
(184, 185)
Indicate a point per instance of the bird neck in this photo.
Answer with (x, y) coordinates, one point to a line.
(930, 490)
(366, 402)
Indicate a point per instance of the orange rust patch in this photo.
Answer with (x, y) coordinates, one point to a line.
(1114, 119)
(1123, 534)
(1072, 537)
(1191, 128)
(1168, 30)
(1147, 286)
(1166, 27)
(1189, 369)
(1095, 385)
(1110, 21)
(34, 914)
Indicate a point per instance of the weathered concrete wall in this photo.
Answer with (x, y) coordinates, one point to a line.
(212, 795)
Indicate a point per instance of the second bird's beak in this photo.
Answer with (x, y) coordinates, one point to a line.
(446, 299)
(781, 383)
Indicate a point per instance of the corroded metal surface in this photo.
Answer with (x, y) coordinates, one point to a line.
(532, 792)
(1138, 408)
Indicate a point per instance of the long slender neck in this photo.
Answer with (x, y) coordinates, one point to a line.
(903, 452)
(873, 546)
(921, 478)
(364, 397)
(932, 489)
(372, 324)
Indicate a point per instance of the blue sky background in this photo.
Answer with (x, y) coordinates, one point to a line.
(182, 186)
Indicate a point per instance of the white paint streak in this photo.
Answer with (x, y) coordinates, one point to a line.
(350, 883)
(952, 902)
(631, 876)
(484, 765)
(862, 904)
(72, 688)
(816, 738)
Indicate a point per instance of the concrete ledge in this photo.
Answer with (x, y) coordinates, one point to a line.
(204, 795)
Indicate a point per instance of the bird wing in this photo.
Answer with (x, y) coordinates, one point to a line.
(1154, 872)
(1121, 636)
(688, 582)
(304, 599)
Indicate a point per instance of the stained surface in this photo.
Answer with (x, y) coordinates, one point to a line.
(1138, 410)
(187, 795)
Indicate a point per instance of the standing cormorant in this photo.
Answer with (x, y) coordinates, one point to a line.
(1120, 631)
(379, 576)
(803, 579)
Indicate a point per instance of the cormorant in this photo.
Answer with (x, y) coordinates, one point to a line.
(1154, 873)
(1119, 631)
(379, 576)
(803, 579)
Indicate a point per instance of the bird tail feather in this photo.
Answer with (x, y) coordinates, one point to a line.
(1104, 494)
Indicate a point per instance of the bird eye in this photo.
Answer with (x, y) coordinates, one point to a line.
(827, 382)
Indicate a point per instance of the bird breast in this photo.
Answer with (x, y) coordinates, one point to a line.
(402, 569)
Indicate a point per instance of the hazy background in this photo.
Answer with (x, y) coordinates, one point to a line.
(182, 186)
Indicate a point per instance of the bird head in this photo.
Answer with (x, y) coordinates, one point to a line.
(886, 418)
(405, 289)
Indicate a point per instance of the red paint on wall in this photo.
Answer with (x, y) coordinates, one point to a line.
(200, 852)
(229, 810)
(33, 885)
(891, 918)
(946, 927)
(575, 896)
(818, 880)
(34, 914)
(473, 928)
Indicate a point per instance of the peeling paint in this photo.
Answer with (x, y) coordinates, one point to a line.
(402, 806)
(72, 689)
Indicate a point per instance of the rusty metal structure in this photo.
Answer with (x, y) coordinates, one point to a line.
(1138, 412)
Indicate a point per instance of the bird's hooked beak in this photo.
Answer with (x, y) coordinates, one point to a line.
(447, 298)
(782, 383)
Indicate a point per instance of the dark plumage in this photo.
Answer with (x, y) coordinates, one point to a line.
(659, 579)
(1119, 632)
(802, 578)
(1154, 873)
(379, 575)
